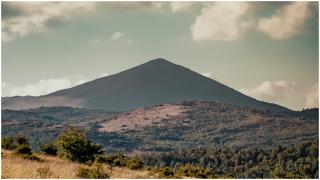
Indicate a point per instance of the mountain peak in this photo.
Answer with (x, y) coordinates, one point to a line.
(160, 60)
(159, 63)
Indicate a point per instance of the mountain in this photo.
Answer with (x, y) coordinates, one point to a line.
(155, 82)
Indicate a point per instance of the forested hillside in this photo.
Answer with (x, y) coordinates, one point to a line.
(167, 127)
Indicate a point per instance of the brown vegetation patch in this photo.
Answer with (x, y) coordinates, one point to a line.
(14, 167)
(140, 118)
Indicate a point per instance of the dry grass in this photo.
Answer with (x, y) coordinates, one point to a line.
(141, 118)
(14, 166)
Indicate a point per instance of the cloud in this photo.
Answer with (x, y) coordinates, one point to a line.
(103, 75)
(312, 97)
(142, 6)
(81, 82)
(180, 6)
(42, 87)
(121, 36)
(288, 21)
(222, 21)
(24, 18)
(271, 91)
(206, 74)
(117, 35)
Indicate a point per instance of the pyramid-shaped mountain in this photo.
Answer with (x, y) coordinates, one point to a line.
(155, 82)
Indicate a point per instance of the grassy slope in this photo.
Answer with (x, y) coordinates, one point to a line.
(14, 166)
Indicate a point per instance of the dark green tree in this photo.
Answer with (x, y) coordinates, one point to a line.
(73, 145)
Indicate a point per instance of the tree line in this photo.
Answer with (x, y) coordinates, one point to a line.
(291, 161)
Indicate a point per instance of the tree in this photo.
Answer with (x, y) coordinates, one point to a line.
(49, 148)
(73, 145)
(22, 140)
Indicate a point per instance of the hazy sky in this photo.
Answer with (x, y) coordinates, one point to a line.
(266, 50)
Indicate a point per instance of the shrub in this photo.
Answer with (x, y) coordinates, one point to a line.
(95, 172)
(100, 159)
(166, 172)
(8, 143)
(32, 157)
(49, 149)
(22, 140)
(24, 149)
(195, 171)
(116, 160)
(134, 163)
(73, 145)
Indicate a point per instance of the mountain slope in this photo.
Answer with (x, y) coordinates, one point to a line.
(202, 124)
(155, 82)
(44, 124)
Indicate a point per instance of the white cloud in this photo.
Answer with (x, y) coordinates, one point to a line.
(157, 6)
(271, 91)
(136, 6)
(117, 35)
(180, 6)
(35, 16)
(221, 21)
(103, 75)
(41, 87)
(286, 22)
(312, 97)
(80, 82)
(121, 36)
(206, 74)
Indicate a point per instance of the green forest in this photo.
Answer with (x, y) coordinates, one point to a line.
(290, 161)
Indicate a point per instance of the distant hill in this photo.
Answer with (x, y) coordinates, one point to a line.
(166, 127)
(44, 124)
(203, 124)
(155, 82)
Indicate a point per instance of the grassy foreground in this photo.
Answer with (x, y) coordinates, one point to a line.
(14, 166)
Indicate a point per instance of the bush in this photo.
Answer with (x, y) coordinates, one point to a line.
(73, 145)
(134, 163)
(116, 160)
(167, 172)
(22, 140)
(195, 171)
(49, 149)
(95, 172)
(8, 143)
(24, 149)
(32, 157)
(100, 159)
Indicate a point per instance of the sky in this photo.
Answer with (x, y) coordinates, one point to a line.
(267, 50)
